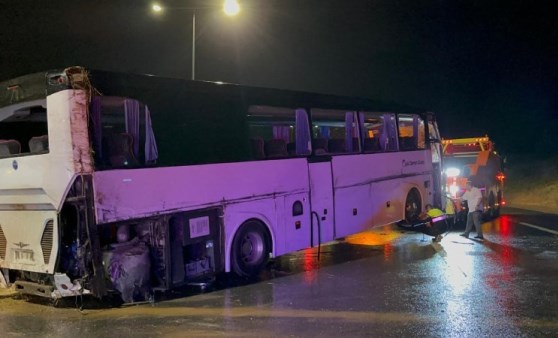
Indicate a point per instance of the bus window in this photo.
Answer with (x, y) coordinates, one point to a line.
(24, 131)
(434, 142)
(421, 143)
(411, 132)
(379, 131)
(334, 132)
(278, 132)
(121, 135)
(373, 130)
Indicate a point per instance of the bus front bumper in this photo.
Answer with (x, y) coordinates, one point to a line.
(63, 287)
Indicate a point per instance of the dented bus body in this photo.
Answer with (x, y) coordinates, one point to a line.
(129, 184)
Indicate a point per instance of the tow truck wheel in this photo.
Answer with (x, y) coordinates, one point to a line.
(499, 204)
(493, 213)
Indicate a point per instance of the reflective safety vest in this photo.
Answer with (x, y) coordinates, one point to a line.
(450, 207)
(434, 212)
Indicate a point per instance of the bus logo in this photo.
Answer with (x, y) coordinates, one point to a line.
(410, 163)
(14, 165)
(21, 245)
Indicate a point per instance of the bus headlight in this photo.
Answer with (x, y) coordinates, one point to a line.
(452, 172)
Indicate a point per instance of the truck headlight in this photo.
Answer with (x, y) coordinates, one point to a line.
(453, 190)
(452, 172)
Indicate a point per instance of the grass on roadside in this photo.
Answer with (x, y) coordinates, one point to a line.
(532, 182)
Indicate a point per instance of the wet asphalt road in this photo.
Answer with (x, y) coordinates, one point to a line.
(382, 283)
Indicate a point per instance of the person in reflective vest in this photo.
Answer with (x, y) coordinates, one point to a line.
(433, 223)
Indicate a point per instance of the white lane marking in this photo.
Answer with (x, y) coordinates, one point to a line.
(539, 228)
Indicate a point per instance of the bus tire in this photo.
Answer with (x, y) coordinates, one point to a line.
(413, 206)
(250, 249)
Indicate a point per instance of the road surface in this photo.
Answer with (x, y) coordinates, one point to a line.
(381, 283)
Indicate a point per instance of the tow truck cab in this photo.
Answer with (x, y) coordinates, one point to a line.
(474, 159)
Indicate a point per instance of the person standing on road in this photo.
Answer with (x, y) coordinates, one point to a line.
(473, 196)
(450, 211)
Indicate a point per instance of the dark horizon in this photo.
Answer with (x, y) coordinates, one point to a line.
(483, 68)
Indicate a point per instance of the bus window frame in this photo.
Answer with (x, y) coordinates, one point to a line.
(35, 112)
(298, 141)
(339, 118)
(418, 137)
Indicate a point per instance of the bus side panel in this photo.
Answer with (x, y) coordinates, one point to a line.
(321, 202)
(390, 195)
(128, 194)
(353, 207)
(375, 186)
(359, 199)
(263, 190)
(295, 224)
(288, 232)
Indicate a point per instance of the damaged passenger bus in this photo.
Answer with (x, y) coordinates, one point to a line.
(120, 184)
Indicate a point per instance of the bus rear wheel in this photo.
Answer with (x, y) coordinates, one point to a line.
(250, 249)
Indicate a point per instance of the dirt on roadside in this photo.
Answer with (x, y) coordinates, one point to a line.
(532, 184)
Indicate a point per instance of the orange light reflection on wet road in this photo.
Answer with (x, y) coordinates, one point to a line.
(373, 237)
(376, 237)
(310, 265)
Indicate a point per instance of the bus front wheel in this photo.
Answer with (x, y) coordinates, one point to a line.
(413, 206)
(250, 249)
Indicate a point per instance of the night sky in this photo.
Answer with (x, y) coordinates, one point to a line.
(485, 67)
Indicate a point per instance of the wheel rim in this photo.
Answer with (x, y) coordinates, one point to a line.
(411, 210)
(252, 248)
(412, 207)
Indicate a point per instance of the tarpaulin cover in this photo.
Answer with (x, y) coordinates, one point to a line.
(129, 268)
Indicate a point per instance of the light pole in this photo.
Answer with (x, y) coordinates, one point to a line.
(193, 44)
(230, 7)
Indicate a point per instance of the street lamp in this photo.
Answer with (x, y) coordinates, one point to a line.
(230, 7)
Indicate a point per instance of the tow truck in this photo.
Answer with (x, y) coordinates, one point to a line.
(474, 159)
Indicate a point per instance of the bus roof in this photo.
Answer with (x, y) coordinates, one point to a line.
(34, 86)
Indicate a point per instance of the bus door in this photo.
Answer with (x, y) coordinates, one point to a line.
(436, 150)
(321, 200)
